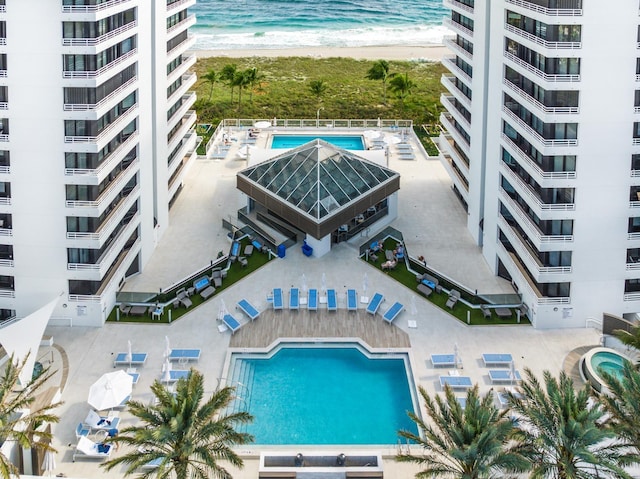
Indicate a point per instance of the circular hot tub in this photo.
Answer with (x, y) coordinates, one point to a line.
(597, 360)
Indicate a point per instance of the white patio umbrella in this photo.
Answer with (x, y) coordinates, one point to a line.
(392, 140)
(223, 309)
(166, 371)
(456, 356)
(371, 134)
(49, 462)
(304, 283)
(244, 151)
(110, 390)
(129, 357)
(262, 124)
(167, 347)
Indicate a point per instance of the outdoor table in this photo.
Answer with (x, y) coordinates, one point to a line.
(503, 313)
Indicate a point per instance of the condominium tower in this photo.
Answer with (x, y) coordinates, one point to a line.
(541, 138)
(96, 134)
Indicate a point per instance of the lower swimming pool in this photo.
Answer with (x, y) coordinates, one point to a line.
(324, 395)
(348, 142)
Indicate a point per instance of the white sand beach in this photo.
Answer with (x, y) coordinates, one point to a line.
(424, 53)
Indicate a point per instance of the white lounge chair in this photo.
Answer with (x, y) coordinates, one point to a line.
(92, 450)
(101, 423)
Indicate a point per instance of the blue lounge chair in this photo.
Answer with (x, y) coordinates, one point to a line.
(135, 377)
(312, 302)
(456, 382)
(184, 354)
(393, 312)
(82, 430)
(278, 302)
(248, 309)
(374, 304)
(500, 376)
(443, 360)
(235, 250)
(231, 322)
(137, 359)
(176, 374)
(201, 283)
(294, 298)
(352, 300)
(332, 300)
(497, 359)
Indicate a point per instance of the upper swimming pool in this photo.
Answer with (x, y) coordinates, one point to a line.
(324, 395)
(348, 142)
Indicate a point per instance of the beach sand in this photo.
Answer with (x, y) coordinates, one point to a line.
(425, 53)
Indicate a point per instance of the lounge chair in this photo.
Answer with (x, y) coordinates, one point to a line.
(294, 298)
(134, 377)
(312, 302)
(124, 308)
(231, 322)
(259, 246)
(443, 360)
(352, 300)
(154, 464)
(201, 283)
(92, 450)
(278, 302)
(207, 292)
(332, 300)
(456, 382)
(100, 423)
(244, 262)
(217, 276)
(497, 359)
(184, 354)
(235, 251)
(454, 296)
(486, 312)
(374, 304)
(393, 312)
(176, 375)
(82, 430)
(248, 309)
(501, 376)
(183, 298)
(137, 359)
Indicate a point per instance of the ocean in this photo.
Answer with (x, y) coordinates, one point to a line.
(276, 24)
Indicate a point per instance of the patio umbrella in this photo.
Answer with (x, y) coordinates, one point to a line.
(129, 357)
(244, 151)
(304, 283)
(223, 309)
(456, 357)
(512, 372)
(392, 140)
(167, 347)
(262, 124)
(49, 462)
(371, 134)
(166, 371)
(110, 390)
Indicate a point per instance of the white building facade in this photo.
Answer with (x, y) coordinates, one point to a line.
(97, 132)
(541, 139)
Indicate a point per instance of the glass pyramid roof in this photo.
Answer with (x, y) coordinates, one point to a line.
(318, 178)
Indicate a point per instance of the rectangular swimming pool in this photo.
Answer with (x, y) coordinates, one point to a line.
(348, 142)
(324, 395)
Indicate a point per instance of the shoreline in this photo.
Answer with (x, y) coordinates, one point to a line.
(433, 53)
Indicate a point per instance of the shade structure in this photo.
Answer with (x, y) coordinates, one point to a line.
(262, 124)
(110, 390)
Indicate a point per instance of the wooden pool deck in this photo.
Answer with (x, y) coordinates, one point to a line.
(271, 325)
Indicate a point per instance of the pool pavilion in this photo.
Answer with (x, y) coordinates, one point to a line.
(327, 193)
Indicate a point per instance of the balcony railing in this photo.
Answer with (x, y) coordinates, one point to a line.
(458, 5)
(541, 107)
(552, 78)
(186, 23)
(92, 8)
(452, 45)
(7, 293)
(456, 26)
(449, 62)
(8, 263)
(105, 101)
(180, 4)
(91, 42)
(631, 296)
(107, 132)
(533, 133)
(524, 159)
(446, 101)
(106, 194)
(451, 129)
(552, 12)
(107, 165)
(541, 41)
(526, 191)
(100, 71)
(449, 84)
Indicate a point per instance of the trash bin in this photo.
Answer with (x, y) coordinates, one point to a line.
(281, 250)
(306, 249)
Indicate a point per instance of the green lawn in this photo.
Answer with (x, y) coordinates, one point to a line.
(460, 310)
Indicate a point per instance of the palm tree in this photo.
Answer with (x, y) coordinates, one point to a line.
(228, 75)
(254, 78)
(470, 443)
(187, 436)
(562, 434)
(211, 77)
(631, 338)
(401, 85)
(623, 404)
(379, 71)
(317, 89)
(242, 81)
(17, 421)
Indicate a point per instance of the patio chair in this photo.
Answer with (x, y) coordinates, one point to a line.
(136, 359)
(183, 298)
(243, 261)
(248, 309)
(454, 296)
(82, 430)
(124, 308)
(217, 276)
(92, 450)
(393, 312)
(374, 304)
(231, 323)
(184, 355)
(486, 312)
(96, 422)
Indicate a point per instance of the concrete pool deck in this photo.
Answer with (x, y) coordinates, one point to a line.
(433, 224)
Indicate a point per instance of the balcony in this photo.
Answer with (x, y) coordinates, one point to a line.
(541, 42)
(454, 5)
(551, 78)
(7, 293)
(187, 102)
(543, 109)
(542, 242)
(107, 102)
(187, 124)
(451, 44)
(188, 61)
(96, 240)
(454, 171)
(180, 5)
(534, 135)
(183, 25)
(447, 102)
(449, 83)
(551, 12)
(531, 197)
(450, 64)
(92, 13)
(97, 74)
(106, 134)
(456, 27)
(97, 41)
(445, 121)
(188, 80)
(542, 177)
(188, 145)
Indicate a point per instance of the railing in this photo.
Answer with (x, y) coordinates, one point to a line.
(631, 296)
(105, 228)
(390, 124)
(107, 165)
(90, 42)
(541, 41)
(92, 8)
(101, 70)
(115, 186)
(449, 84)
(633, 266)
(633, 236)
(187, 22)
(545, 76)
(537, 104)
(449, 63)
(7, 293)
(636, 141)
(452, 45)
(531, 194)
(539, 138)
(85, 298)
(7, 263)
(552, 12)
(547, 175)
(456, 26)
(106, 100)
(445, 100)
(116, 125)
(459, 5)
(175, 5)
(446, 122)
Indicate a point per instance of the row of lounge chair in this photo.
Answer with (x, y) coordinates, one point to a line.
(139, 359)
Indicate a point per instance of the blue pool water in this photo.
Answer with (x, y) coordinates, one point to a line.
(347, 142)
(324, 396)
(611, 363)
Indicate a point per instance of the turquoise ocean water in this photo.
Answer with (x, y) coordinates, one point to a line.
(275, 24)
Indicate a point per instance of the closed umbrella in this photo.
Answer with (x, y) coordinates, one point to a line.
(167, 347)
(110, 390)
(129, 357)
(456, 357)
(49, 462)
(166, 371)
